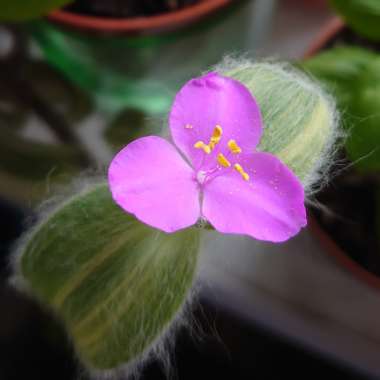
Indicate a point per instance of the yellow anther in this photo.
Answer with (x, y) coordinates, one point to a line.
(239, 169)
(202, 145)
(216, 136)
(188, 126)
(223, 160)
(234, 147)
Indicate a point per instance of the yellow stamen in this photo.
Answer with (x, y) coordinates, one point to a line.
(202, 145)
(216, 136)
(188, 126)
(214, 140)
(239, 169)
(217, 133)
(223, 160)
(234, 147)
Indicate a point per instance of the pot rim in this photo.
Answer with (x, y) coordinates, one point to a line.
(333, 27)
(340, 256)
(329, 30)
(138, 25)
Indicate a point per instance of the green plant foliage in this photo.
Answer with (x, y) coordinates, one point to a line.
(12, 112)
(128, 125)
(115, 283)
(21, 10)
(362, 15)
(34, 160)
(340, 69)
(58, 91)
(353, 76)
(364, 141)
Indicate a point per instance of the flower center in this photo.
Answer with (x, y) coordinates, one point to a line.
(221, 160)
(201, 177)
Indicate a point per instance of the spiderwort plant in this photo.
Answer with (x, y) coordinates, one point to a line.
(216, 124)
(116, 261)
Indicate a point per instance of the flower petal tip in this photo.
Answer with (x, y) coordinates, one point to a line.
(149, 179)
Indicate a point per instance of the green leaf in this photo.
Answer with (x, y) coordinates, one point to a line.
(361, 15)
(339, 63)
(353, 76)
(21, 10)
(128, 125)
(34, 160)
(363, 144)
(54, 88)
(339, 68)
(116, 283)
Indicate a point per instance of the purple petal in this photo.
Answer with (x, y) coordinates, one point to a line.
(150, 179)
(206, 102)
(269, 206)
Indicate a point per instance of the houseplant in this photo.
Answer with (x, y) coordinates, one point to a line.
(348, 66)
(121, 283)
(184, 39)
(123, 59)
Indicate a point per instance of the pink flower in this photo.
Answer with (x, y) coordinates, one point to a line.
(215, 174)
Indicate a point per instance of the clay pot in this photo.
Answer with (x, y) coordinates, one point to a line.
(330, 30)
(140, 62)
(138, 25)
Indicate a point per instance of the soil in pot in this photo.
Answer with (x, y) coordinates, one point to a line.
(350, 203)
(128, 8)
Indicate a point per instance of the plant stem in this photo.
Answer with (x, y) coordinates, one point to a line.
(13, 79)
(52, 118)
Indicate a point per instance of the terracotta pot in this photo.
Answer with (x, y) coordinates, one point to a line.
(328, 32)
(141, 62)
(310, 3)
(139, 25)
